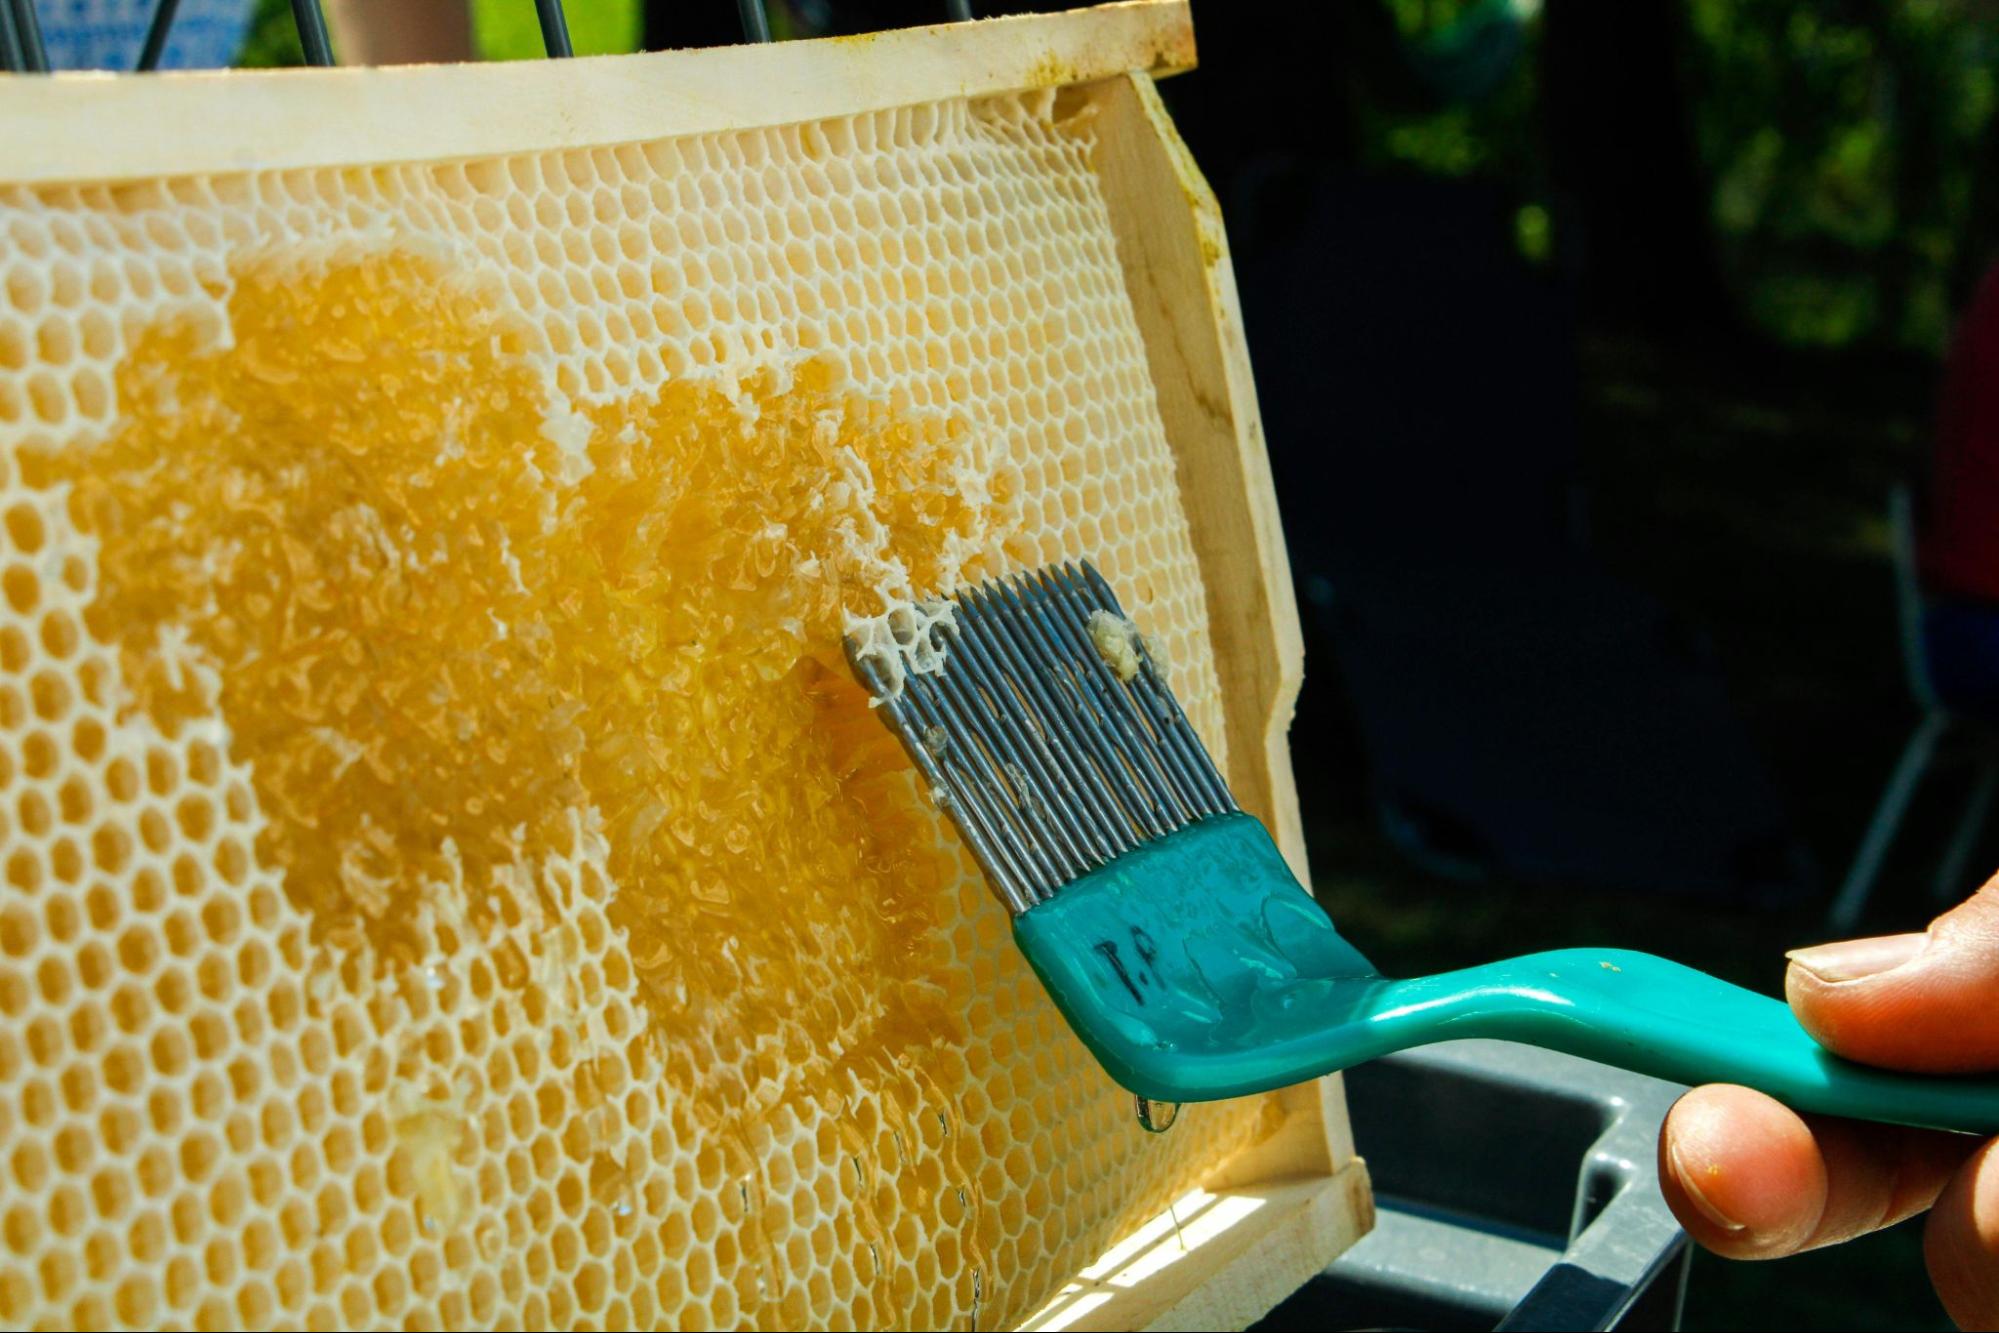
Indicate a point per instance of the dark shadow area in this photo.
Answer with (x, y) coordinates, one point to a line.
(1587, 367)
(1438, 1149)
(1513, 1188)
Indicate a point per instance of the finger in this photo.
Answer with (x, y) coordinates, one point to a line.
(1750, 1178)
(1961, 1242)
(1926, 1002)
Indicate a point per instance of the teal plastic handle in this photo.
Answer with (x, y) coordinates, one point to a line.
(1196, 968)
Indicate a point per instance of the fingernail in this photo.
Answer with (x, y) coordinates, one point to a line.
(1852, 960)
(1692, 1185)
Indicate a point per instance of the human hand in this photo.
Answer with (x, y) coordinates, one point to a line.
(395, 32)
(1751, 1179)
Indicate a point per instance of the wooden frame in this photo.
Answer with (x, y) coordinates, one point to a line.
(128, 127)
(1274, 1215)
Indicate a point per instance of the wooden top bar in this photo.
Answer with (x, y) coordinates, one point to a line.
(110, 127)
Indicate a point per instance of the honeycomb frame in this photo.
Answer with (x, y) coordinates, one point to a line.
(1217, 455)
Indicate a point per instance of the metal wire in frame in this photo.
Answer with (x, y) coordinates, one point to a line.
(32, 55)
(10, 40)
(311, 21)
(23, 51)
(307, 15)
(156, 35)
(554, 28)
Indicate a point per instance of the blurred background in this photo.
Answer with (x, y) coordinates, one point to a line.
(1591, 341)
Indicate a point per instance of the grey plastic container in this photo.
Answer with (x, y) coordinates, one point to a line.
(1514, 1188)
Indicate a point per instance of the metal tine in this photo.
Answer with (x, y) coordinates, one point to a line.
(28, 32)
(989, 850)
(311, 21)
(1093, 678)
(554, 29)
(1149, 695)
(1186, 742)
(958, 11)
(998, 730)
(1069, 677)
(11, 58)
(991, 785)
(970, 791)
(1022, 728)
(1110, 694)
(756, 20)
(1183, 740)
(1048, 763)
(1071, 659)
(156, 35)
(1015, 672)
(974, 807)
(1085, 804)
(964, 728)
(1166, 705)
(1154, 742)
(1139, 818)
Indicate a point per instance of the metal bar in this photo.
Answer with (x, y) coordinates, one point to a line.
(10, 41)
(554, 29)
(28, 29)
(156, 35)
(1164, 708)
(1076, 711)
(1088, 824)
(960, 798)
(1155, 741)
(1095, 814)
(1909, 769)
(756, 22)
(992, 721)
(980, 778)
(1031, 666)
(311, 21)
(1950, 885)
(1098, 699)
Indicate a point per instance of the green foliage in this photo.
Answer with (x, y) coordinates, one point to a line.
(1533, 233)
(509, 30)
(502, 29)
(273, 37)
(1493, 134)
(1841, 143)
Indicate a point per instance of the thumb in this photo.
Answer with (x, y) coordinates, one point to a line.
(1925, 1002)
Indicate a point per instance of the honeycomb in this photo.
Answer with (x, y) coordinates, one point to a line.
(451, 878)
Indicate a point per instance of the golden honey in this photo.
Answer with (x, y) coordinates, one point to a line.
(449, 875)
